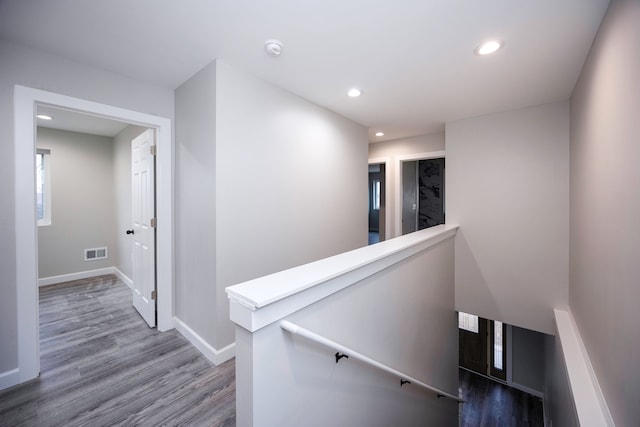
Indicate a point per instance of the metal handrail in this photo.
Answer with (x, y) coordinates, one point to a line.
(347, 352)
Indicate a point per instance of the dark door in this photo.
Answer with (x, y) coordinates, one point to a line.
(431, 193)
(473, 348)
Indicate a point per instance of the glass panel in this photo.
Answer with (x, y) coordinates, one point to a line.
(376, 195)
(497, 345)
(468, 322)
(40, 178)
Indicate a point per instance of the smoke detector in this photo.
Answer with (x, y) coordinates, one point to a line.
(273, 47)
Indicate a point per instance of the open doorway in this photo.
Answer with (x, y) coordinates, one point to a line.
(379, 219)
(377, 202)
(422, 194)
(26, 102)
(419, 191)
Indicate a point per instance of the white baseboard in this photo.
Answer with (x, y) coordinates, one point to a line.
(526, 389)
(9, 378)
(127, 281)
(215, 356)
(45, 281)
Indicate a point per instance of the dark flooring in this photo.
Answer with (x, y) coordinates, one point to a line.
(491, 404)
(374, 237)
(101, 365)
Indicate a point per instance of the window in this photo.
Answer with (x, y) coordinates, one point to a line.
(43, 186)
(497, 345)
(468, 322)
(375, 192)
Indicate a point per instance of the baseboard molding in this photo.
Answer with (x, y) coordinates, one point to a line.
(9, 378)
(46, 281)
(214, 355)
(526, 389)
(127, 281)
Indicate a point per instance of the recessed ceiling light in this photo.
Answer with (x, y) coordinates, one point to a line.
(489, 47)
(355, 92)
(44, 117)
(379, 133)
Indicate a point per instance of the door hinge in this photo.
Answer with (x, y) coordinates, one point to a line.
(154, 295)
(154, 222)
(153, 150)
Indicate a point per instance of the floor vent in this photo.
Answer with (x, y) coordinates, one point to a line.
(95, 253)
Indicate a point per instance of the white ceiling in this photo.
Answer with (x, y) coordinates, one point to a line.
(413, 58)
(79, 122)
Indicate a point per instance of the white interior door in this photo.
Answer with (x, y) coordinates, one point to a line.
(144, 233)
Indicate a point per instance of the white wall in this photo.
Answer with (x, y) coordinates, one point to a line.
(82, 203)
(291, 183)
(403, 147)
(28, 67)
(122, 177)
(507, 180)
(605, 207)
(195, 210)
(559, 408)
(266, 181)
(402, 316)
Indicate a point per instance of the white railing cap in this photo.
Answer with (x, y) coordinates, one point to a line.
(305, 284)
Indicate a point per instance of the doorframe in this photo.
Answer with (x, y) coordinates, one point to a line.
(26, 100)
(398, 181)
(387, 187)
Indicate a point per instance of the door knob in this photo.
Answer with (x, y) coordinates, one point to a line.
(129, 231)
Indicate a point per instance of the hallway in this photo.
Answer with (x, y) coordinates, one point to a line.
(102, 365)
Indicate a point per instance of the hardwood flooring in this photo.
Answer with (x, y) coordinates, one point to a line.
(101, 365)
(492, 404)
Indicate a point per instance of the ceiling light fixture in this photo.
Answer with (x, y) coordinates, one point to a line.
(44, 117)
(489, 47)
(354, 93)
(379, 133)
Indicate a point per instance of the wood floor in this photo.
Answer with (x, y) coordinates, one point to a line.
(490, 404)
(101, 365)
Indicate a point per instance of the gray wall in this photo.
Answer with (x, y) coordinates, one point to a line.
(25, 66)
(528, 358)
(122, 177)
(266, 181)
(82, 202)
(507, 185)
(605, 208)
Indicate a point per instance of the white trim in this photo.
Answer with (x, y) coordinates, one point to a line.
(590, 405)
(52, 280)
(407, 158)
(260, 302)
(25, 102)
(127, 281)
(9, 378)
(215, 356)
(387, 192)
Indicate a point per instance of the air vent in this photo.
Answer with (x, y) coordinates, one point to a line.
(95, 254)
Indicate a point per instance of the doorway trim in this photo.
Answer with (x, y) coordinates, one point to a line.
(398, 180)
(387, 186)
(26, 101)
